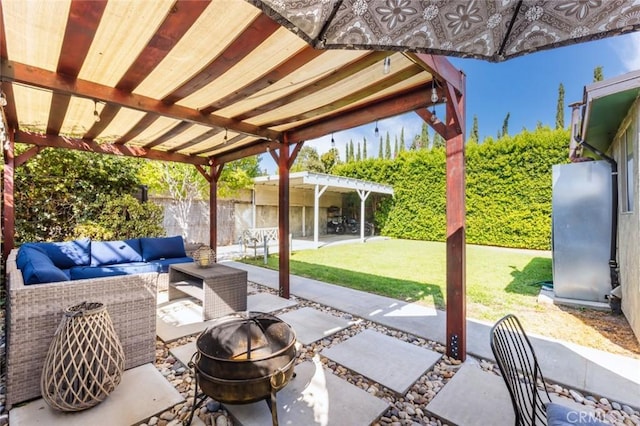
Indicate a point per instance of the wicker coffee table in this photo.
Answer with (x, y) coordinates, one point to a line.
(222, 289)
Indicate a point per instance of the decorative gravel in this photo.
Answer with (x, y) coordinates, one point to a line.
(408, 409)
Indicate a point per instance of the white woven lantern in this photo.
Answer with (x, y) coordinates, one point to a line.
(204, 257)
(85, 360)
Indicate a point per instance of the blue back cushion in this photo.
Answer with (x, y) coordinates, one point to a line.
(38, 268)
(162, 248)
(69, 253)
(111, 252)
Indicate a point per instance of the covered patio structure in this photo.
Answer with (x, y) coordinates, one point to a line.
(206, 83)
(319, 183)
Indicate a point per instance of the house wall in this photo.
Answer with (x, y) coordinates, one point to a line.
(629, 224)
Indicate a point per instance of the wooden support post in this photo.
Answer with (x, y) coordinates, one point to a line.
(8, 237)
(456, 240)
(283, 219)
(216, 170)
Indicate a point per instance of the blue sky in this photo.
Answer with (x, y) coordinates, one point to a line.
(525, 87)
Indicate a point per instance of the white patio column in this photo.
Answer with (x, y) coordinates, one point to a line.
(304, 220)
(363, 197)
(316, 211)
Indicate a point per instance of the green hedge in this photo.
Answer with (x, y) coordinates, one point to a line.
(508, 190)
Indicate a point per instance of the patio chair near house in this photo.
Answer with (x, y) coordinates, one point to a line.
(521, 372)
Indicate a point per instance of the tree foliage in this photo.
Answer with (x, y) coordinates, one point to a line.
(124, 218)
(308, 160)
(438, 141)
(475, 133)
(560, 108)
(330, 159)
(598, 75)
(58, 189)
(508, 191)
(387, 147)
(505, 125)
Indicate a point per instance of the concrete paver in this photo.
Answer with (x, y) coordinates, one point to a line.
(142, 393)
(391, 362)
(265, 302)
(179, 318)
(315, 396)
(587, 370)
(311, 325)
(486, 399)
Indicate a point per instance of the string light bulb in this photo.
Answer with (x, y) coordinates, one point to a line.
(333, 142)
(3, 99)
(434, 93)
(96, 114)
(376, 131)
(386, 65)
(225, 135)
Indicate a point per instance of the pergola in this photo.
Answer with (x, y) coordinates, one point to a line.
(206, 83)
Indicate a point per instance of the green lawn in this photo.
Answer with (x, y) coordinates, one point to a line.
(498, 280)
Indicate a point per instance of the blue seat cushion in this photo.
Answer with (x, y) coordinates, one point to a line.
(560, 415)
(162, 248)
(37, 268)
(112, 252)
(163, 264)
(68, 254)
(85, 272)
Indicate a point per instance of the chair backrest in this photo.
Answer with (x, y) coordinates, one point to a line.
(520, 370)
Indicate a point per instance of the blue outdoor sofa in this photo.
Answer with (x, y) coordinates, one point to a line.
(85, 259)
(43, 279)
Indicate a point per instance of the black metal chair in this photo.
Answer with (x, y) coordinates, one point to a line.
(520, 370)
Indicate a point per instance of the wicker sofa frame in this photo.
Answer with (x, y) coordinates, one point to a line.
(33, 312)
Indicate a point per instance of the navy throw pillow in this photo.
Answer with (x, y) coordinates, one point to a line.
(162, 248)
(112, 252)
(68, 254)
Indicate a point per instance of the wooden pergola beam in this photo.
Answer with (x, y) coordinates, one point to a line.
(439, 67)
(104, 148)
(259, 147)
(38, 77)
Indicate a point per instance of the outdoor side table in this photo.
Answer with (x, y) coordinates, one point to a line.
(222, 289)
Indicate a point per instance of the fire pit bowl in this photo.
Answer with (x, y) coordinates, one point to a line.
(245, 357)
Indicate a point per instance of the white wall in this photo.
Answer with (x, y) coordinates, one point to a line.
(629, 225)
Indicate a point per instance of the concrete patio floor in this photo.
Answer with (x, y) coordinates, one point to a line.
(317, 396)
(587, 370)
(370, 354)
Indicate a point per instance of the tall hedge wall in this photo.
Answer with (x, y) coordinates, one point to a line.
(508, 190)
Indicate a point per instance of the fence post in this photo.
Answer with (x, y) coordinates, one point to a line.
(265, 251)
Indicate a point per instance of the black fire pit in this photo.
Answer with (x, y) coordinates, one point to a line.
(242, 358)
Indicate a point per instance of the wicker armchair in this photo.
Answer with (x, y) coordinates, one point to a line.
(34, 312)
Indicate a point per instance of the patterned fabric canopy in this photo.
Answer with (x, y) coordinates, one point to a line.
(494, 30)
